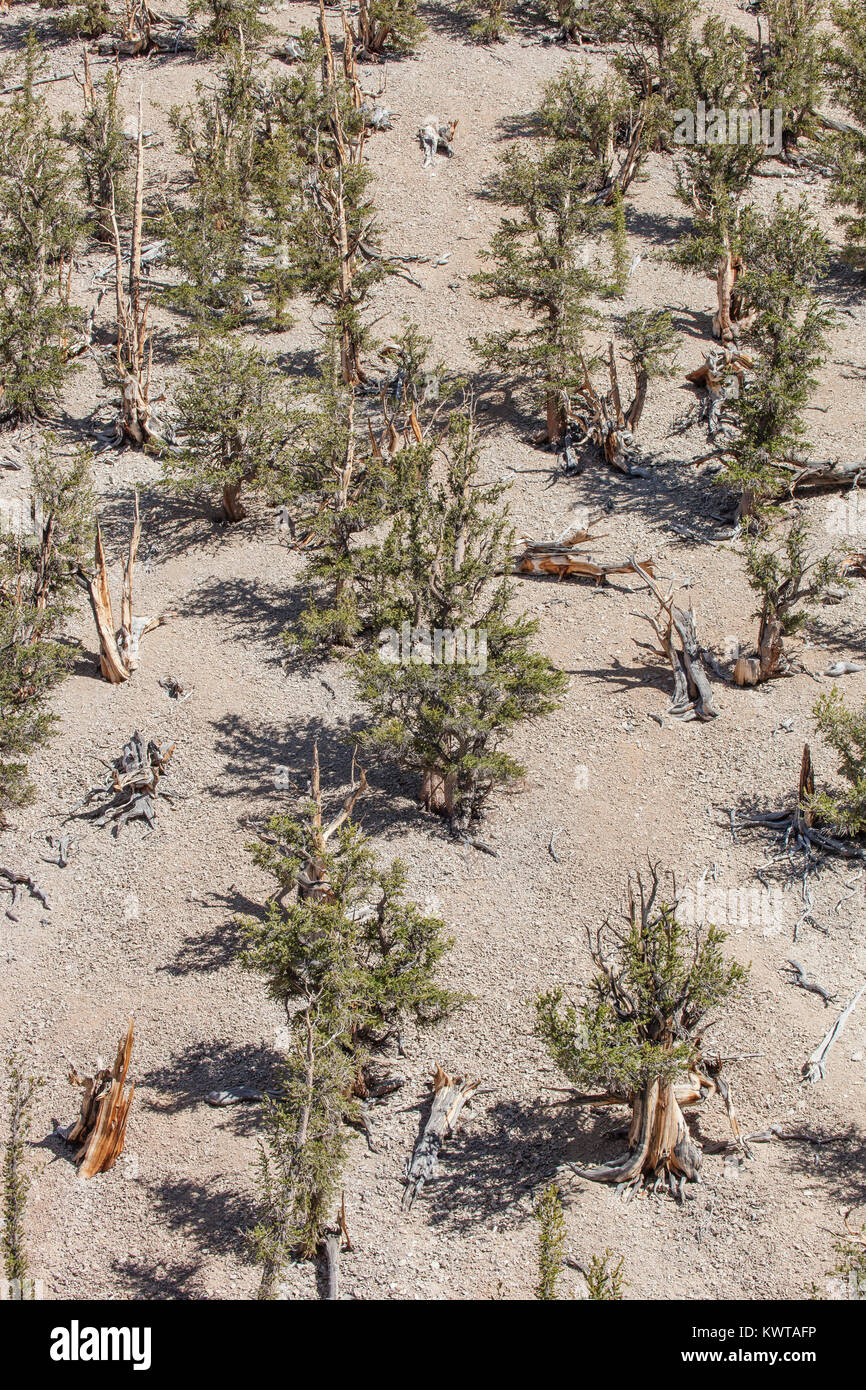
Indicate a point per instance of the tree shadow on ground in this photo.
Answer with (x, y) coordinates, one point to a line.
(158, 1280)
(483, 1173)
(217, 946)
(214, 1065)
(272, 763)
(215, 1221)
(171, 525)
(249, 606)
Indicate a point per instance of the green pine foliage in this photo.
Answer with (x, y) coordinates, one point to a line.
(618, 245)
(844, 730)
(792, 72)
(491, 23)
(551, 1242)
(226, 23)
(234, 408)
(389, 26)
(39, 227)
(104, 156)
(846, 64)
(350, 960)
(38, 583)
(785, 253)
(80, 19)
(604, 1278)
(22, 1092)
(441, 713)
(337, 489)
(208, 233)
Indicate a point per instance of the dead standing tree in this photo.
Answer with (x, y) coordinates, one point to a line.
(693, 693)
(105, 1102)
(118, 650)
(134, 347)
(640, 1039)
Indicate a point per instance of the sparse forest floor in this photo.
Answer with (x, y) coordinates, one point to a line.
(144, 925)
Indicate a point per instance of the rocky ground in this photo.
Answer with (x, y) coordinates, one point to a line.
(144, 925)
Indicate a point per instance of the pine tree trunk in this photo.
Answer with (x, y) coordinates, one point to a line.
(437, 792)
(555, 417)
(722, 326)
(232, 505)
(659, 1141)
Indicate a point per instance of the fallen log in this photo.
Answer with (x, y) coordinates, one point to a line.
(101, 1126)
(565, 559)
(450, 1094)
(816, 1067)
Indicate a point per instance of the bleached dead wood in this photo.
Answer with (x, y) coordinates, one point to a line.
(133, 789)
(118, 649)
(101, 1126)
(816, 1067)
(693, 694)
(18, 881)
(721, 376)
(437, 138)
(565, 558)
(450, 1094)
(795, 825)
(805, 981)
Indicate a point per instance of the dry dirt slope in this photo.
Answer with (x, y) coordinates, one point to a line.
(145, 925)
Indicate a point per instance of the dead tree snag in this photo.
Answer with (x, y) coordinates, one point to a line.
(105, 1102)
(118, 649)
(693, 693)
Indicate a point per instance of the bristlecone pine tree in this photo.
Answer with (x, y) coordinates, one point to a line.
(104, 155)
(38, 232)
(336, 235)
(454, 673)
(540, 260)
(388, 26)
(844, 730)
(640, 1037)
(16, 1178)
(792, 67)
(713, 177)
(224, 21)
(491, 19)
(349, 959)
(785, 252)
(218, 137)
(336, 488)
(38, 566)
(788, 581)
(233, 405)
(847, 71)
